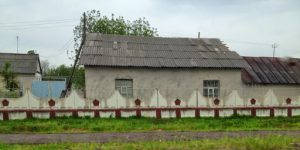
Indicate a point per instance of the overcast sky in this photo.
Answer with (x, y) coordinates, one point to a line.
(246, 26)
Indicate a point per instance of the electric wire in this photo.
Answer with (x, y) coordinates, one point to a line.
(37, 24)
(61, 50)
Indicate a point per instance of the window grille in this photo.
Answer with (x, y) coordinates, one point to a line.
(125, 87)
(211, 88)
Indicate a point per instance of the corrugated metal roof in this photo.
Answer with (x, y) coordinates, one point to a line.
(266, 70)
(20, 63)
(132, 51)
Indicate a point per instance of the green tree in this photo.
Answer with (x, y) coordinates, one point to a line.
(61, 70)
(64, 71)
(95, 22)
(79, 78)
(9, 77)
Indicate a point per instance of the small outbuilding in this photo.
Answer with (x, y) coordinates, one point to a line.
(26, 67)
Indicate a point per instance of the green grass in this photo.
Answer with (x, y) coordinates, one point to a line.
(76, 125)
(247, 143)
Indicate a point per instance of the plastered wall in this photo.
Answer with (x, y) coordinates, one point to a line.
(161, 87)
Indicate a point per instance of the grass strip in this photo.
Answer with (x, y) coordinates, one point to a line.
(132, 124)
(246, 143)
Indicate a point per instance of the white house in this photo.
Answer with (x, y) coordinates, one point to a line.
(158, 70)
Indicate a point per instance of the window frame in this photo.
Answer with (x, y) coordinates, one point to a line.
(125, 89)
(211, 88)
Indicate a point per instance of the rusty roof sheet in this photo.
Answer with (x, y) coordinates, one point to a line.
(136, 51)
(267, 70)
(20, 63)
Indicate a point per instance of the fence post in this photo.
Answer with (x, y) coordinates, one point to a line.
(5, 115)
(253, 112)
(217, 114)
(52, 114)
(197, 113)
(28, 114)
(138, 113)
(272, 112)
(178, 112)
(235, 112)
(118, 113)
(177, 109)
(96, 114)
(289, 112)
(74, 113)
(158, 113)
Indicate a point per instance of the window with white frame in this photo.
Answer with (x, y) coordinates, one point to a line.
(125, 87)
(211, 88)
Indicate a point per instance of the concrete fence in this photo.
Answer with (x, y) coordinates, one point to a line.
(158, 113)
(154, 103)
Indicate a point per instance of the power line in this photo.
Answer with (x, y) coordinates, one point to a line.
(60, 50)
(39, 27)
(34, 24)
(39, 21)
(37, 24)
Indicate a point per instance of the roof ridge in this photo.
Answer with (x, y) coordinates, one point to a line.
(161, 57)
(138, 36)
(168, 50)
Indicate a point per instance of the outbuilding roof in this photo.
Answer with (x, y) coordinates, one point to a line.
(269, 70)
(137, 51)
(20, 63)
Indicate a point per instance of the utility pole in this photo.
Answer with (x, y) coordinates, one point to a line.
(17, 44)
(69, 83)
(274, 46)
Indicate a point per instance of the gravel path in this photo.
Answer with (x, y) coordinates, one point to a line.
(130, 136)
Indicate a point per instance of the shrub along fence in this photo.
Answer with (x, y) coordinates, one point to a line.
(11, 93)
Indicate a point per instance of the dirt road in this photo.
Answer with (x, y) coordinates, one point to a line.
(131, 136)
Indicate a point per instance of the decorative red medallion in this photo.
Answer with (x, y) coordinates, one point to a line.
(5, 102)
(288, 101)
(137, 102)
(96, 102)
(216, 101)
(51, 103)
(253, 101)
(177, 102)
